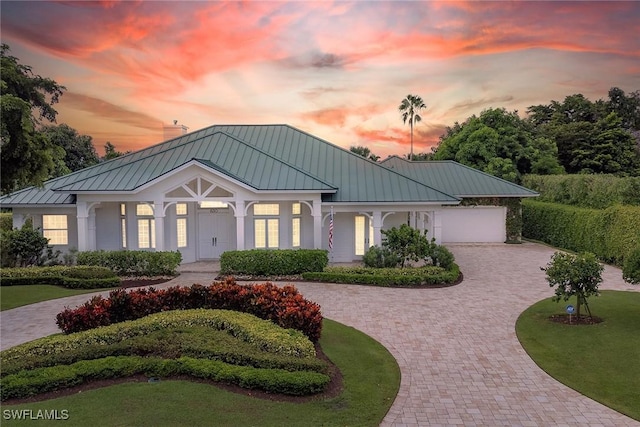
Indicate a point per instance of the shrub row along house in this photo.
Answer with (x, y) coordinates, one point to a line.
(263, 186)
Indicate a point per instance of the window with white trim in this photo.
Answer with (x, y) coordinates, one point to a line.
(54, 228)
(295, 225)
(146, 227)
(360, 235)
(266, 230)
(181, 224)
(123, 224)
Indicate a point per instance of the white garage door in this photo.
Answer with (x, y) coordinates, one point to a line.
(474, 224)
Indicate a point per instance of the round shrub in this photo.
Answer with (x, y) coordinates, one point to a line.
(377, 257)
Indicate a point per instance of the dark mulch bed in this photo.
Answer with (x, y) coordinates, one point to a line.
(135, 282)
(334, 388)
(574, 320)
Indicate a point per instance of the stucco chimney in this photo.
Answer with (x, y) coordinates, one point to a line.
(173, 131)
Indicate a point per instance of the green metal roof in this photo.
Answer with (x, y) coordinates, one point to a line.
(457, 179)
(264, 157)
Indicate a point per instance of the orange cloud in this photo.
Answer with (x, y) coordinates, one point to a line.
(337, 116)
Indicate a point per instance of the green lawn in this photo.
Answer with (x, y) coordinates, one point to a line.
(371, 382)
(17, 296)
(600, 361)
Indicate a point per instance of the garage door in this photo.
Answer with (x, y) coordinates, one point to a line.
(474, 224)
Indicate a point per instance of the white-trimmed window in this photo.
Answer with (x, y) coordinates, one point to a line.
(212, 204)
(266, 230)
(360, 235)
(295, 225)
(54, 228)
(181, 224)
(123, 224)
(146, 226)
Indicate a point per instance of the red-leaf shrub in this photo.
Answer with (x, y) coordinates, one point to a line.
(284, 306)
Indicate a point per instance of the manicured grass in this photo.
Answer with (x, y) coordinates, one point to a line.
(371, 382)
(600, 361)
(17, 296)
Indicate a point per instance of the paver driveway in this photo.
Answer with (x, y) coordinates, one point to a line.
(460, 359)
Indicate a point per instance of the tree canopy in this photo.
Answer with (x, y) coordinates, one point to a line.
(365, 152)
(500, 143)
(79, 151)
(27, 156)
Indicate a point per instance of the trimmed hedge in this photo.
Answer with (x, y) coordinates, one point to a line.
(261, 333)
(631, 267)
(588, 191)
(263, 262)
(391, 277)
(73, 277)
(134, 263)
(6, 221)
(31, 382)
(611, 234)
(284, 306)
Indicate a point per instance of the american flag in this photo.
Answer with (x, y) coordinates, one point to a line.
(331, 230)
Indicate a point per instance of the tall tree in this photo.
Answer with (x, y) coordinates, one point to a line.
(27, 156)
(500, 143)
(409, 109)
(110, 152)
(363, 151)
(79, 151)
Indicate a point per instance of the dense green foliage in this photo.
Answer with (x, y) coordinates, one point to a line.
(134, 263)
(631, 267)
(611, 234)
(263, 262)
(282, 305)
(22, 247)
(574, 275)
(72, 277)
(592, 137)
(599, 361)
(79, 151)
(499, 143)
(6, 221)
(587, 191)
(27, 156)
(406, 244)
(58, 361)
(391, 277)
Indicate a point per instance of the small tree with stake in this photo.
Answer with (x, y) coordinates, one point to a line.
(578, 275)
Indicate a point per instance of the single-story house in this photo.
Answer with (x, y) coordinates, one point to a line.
(237, 187)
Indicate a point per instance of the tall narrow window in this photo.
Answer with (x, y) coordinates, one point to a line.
(181, 224)
(54, 228)
(123, 224)
(360, 235)
(266, 230)
(146, 227)
(295, 225)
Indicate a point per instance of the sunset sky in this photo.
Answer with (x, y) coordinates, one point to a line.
(337, 70)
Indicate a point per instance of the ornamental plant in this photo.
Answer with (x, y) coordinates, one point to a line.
(578, 275)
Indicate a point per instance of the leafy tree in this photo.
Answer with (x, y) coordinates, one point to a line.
(407, 243)
(409, 109)
(419, 157)
(500, 143)
(79, 151)
(27, 157)
(364, 152)
(578, 275)
(110, 152)
(627, 107)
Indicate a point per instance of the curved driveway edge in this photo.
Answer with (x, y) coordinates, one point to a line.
(460, 359)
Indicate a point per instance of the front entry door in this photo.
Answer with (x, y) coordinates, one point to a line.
(213, 233)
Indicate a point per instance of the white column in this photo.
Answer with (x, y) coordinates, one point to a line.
(377, 226)
(437, 226)
(82, 216)
(240, 215)
(158, 215)
(91, 225)
(317, 223)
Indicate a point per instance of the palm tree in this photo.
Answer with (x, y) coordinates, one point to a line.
(409, 108)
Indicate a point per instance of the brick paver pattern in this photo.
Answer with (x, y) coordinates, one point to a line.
(457, 349)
